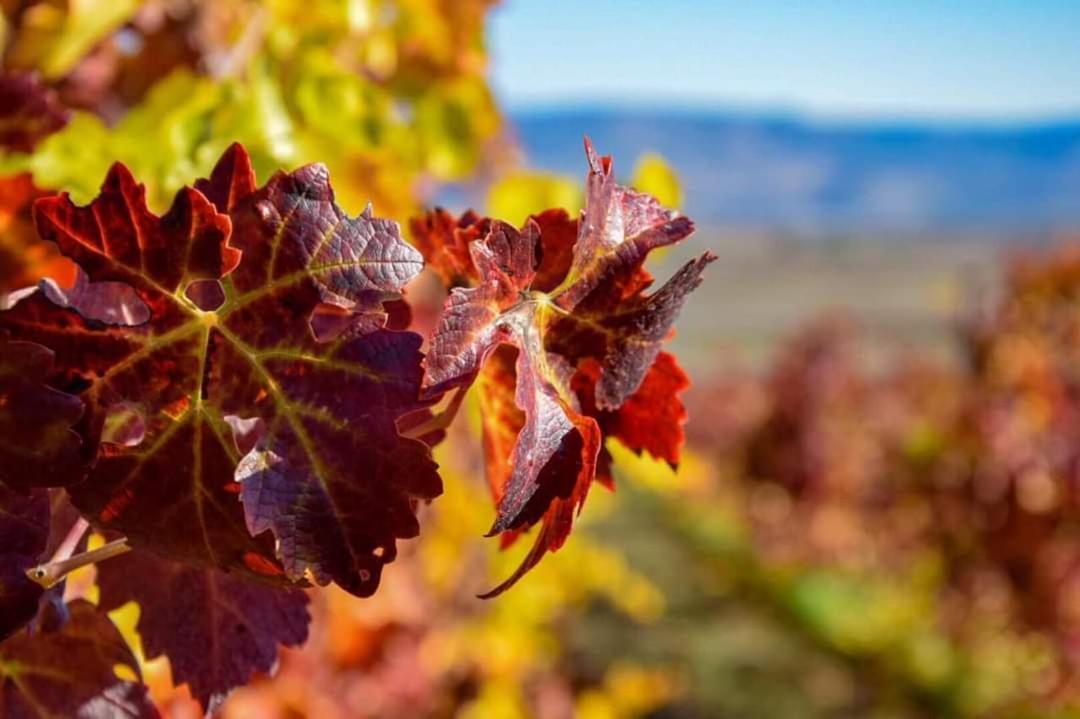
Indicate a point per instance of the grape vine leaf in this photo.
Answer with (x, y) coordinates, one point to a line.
(217, 630)
(71, 671)
(501, 418)
(38, 447)
(444, 241)
(558, 235)
(650, 420)
(619, 227)
(624, 333)
(24, 531)
(230, 278)
(569, 296)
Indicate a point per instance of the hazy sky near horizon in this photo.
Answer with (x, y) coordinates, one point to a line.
(961, 60)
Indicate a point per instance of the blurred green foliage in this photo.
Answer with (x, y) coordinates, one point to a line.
(389, 95)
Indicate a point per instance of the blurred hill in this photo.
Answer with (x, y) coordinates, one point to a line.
(815, 179)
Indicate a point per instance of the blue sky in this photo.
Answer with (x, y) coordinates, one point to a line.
(963, 60)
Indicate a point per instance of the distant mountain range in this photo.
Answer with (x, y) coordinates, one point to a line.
(811, 178)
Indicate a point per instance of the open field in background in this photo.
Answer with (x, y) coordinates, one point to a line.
(904, 296)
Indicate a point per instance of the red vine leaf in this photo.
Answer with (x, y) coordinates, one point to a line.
(558, 447)
(217, 630)
(624, 334)
(444, 240)
(476, 319)
(37, 445)
(570, 297)
(502, 419)
(558, 234)
(618, 229)
(650, 420)
(24, 532)
(555, 445)
(71, 671)
(328, 474)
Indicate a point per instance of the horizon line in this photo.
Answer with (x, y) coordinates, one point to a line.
(789, 112)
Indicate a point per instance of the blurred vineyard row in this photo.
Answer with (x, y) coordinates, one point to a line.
(840, 540)
(918, 523)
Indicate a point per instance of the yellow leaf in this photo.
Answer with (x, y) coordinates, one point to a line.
(520, 194)
(653, 175)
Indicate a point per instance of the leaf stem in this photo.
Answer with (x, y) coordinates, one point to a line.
(51, 573)
(71, 541)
